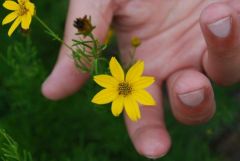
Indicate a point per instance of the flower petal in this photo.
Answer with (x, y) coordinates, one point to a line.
(135, 71)
(106, 81)
(132, 108)
(22, 1)
(10, 5)
(116, 69)
(26, 21)
(117, 106)
(31, 8)
(143, 82)
(104, 96)
(144, 98)
(9, 18)
(14, 26)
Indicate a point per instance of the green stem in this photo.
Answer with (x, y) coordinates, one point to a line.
(94, 44)
(52, 33)
(132, 57)
(96, 66)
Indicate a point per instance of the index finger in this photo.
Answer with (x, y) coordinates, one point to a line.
(65, 78)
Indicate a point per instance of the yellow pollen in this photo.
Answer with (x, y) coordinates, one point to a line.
(124, 89)
(22, 10)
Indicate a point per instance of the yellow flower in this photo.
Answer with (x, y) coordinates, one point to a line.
(124, 91)
(22, 12)
(135, 42)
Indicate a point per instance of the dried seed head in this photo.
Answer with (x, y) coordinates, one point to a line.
(83, 25)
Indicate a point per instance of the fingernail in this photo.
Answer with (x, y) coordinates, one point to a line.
(152, 157)
(221, 28)
(192, 99)
(155, 157)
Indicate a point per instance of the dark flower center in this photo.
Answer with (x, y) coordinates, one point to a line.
(22, 9)
(124, 89)
(79, 24)
(83, 25)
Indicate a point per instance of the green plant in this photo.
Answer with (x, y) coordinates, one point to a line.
(10, 150)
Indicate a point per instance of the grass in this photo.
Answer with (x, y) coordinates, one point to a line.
(73, 129)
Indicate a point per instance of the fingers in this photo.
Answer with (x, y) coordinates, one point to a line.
(191, 96)
(149, 135)
(220, 25)
(65, 78)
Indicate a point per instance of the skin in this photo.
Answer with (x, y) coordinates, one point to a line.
(178, 48)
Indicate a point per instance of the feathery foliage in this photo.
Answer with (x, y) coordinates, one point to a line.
(73, 129)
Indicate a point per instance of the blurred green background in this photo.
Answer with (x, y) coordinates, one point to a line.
(74, 129)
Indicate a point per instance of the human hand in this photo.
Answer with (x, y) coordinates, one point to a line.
(175, 49)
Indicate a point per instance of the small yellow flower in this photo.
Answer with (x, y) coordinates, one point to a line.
(135, 41)
(124, 91)
(22, 13)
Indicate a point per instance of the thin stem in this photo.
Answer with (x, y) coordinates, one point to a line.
(94, 44)
(52, 33)
(96, 65)
(132, 57)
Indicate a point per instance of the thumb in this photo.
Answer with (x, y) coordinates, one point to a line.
(65, 78)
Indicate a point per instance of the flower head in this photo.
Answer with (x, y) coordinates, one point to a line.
(124, 91)
(84, 25)
(135, 41)
(22, 13)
